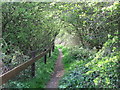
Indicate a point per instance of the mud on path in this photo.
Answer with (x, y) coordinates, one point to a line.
(58, 72)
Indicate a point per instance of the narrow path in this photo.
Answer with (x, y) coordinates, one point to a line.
(58, 72)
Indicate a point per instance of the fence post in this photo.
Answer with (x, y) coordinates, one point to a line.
(33, 65)
(45, 57)
(53, 47)
(50, 53)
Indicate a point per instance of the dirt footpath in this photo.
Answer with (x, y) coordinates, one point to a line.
(58, 72)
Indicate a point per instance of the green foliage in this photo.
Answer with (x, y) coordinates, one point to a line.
(27, 27)
(91, 21)
(106, 63)
(100, 71)
(43, 74)
(30, 26)
(80, 53)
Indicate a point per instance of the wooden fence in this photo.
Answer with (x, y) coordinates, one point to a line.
(12, 73)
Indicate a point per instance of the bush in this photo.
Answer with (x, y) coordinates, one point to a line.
(100, 71)
(81, 53)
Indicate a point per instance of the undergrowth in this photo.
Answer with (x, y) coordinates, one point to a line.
(86, 68)
(42, 76)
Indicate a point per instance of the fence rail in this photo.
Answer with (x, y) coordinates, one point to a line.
(12, 73)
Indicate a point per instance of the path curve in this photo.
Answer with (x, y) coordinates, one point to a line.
(58, 72)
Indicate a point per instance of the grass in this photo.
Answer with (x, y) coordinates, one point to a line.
(43, 74)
